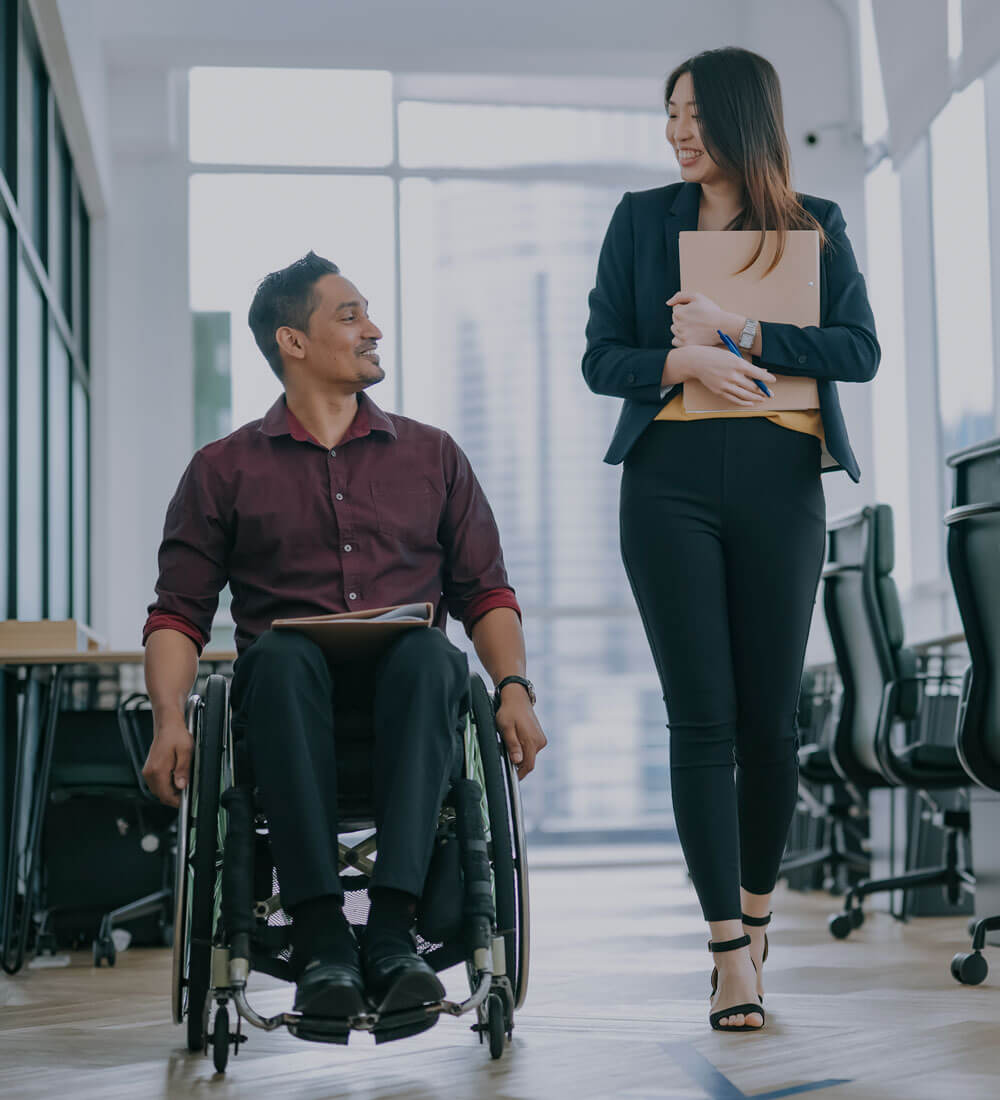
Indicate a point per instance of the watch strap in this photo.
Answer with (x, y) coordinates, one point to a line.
(526, 684)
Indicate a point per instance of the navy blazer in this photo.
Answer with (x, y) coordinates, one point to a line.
(628, 334)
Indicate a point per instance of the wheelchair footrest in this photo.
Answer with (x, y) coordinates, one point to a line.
(317, 1029)
(401, 1025)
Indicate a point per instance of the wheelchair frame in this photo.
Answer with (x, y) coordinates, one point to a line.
(205, 966)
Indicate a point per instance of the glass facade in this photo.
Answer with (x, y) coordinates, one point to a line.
(476, 248)
(44, 376)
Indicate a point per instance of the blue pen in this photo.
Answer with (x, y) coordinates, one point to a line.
(736, 351)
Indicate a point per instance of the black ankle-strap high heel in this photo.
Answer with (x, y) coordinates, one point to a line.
(714, 1018)
(759, 922)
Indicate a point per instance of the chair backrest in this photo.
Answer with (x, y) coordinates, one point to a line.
(865, 621)
(974, 564)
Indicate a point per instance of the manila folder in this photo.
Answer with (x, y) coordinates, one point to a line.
(359, 635)
(710, 261)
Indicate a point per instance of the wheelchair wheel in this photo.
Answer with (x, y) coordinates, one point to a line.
(198, 849)
(507, 848)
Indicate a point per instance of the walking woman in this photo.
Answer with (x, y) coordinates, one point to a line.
(722, 514)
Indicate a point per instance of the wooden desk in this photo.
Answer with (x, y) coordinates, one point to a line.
(35, 739)
(29, 658)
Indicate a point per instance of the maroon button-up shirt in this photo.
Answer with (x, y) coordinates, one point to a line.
(393, 514)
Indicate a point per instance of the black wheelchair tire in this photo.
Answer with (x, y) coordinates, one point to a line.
(208, 777)
(492, 751)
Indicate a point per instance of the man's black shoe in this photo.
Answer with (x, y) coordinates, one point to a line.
(330, 989)
(397, 978)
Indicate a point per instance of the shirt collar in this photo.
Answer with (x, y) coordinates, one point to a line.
(280, 420)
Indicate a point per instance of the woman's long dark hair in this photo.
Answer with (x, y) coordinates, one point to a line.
(738, 96)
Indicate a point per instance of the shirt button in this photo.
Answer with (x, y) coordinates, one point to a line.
(340, 496)
(333, 453)
(803, 358)
(352, 595)
(348, 548)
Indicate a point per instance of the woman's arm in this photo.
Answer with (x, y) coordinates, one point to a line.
(845, 348)
(613, 364)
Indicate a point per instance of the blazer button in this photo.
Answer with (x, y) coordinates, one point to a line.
(631, 378)
(803, 359)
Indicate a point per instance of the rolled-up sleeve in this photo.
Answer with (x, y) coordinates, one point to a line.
(844, 348)
(193, 556)
(612, 364)
(475, 578)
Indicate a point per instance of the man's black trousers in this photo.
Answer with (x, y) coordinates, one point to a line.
(286, 704)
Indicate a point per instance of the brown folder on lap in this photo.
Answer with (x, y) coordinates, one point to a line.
(359, 635)
(789, 294)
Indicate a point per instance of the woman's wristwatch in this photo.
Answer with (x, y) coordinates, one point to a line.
(748, 335)
(528, 686)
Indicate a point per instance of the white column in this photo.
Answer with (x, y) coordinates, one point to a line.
(928, 498)
(143, 414)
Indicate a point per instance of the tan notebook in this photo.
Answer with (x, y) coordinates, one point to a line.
(789, 294)
(359, 635)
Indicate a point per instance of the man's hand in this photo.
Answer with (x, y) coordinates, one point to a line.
(519, 728)
(168, 766)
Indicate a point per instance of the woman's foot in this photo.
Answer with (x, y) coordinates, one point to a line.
(737, 986)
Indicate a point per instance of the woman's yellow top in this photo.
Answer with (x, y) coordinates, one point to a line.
(797, 420)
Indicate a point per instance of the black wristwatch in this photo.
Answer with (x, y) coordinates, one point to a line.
(528, 686)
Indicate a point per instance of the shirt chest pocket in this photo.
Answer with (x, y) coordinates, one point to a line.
(409, 511)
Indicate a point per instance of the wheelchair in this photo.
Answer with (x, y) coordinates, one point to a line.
(229, 921)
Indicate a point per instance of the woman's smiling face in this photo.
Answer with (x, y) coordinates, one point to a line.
(684, 134)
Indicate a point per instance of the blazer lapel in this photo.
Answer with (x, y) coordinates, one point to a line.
(683, 215)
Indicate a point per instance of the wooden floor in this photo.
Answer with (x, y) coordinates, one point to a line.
(617, 1009)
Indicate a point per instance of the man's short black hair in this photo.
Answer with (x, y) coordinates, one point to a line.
(286, 297)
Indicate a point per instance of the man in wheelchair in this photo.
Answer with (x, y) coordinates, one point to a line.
(329, 504)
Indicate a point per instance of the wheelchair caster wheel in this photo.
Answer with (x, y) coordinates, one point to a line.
(220, 1039)
(857, 917)
(496, 1024)
(969, 969)
(104, 949)
(840, 925)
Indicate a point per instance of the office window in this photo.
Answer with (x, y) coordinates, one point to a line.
(32, 125)
(493, 216)
(30, 447)
(290, 117)
(8, 63)
(962, 269)
(60, 263)
(59, 478)
(81, 503)
(243, 226)
(478, 136)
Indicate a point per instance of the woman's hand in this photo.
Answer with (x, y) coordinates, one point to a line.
(717, 369)
(698, 320)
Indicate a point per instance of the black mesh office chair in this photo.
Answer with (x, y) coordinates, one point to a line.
(829, 833)
(974, 564)
(883, 689)
(107, 842)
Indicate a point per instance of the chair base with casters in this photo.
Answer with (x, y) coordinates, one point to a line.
(971, 968)
(954, 876)
(229, 919)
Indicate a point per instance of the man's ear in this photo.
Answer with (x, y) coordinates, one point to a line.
(289, 340)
